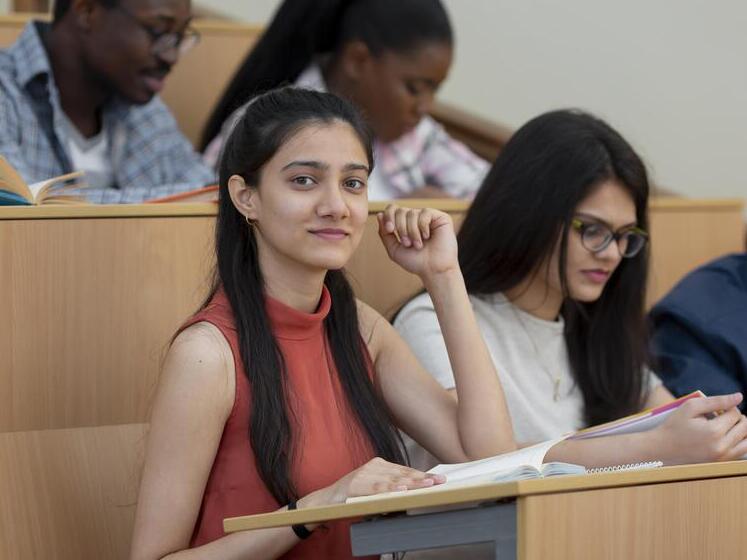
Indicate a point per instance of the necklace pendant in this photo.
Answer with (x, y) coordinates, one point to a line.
(556, 390)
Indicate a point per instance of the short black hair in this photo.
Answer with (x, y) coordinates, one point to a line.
(61, 7)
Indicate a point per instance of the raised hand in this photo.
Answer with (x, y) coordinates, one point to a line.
(420, 240)
(699, 432)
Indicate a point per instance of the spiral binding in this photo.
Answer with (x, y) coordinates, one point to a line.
(628, 467)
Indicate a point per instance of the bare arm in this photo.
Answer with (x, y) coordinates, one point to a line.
(477, 424)
(194, 399)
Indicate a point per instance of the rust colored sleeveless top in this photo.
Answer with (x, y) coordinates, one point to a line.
(326, 448)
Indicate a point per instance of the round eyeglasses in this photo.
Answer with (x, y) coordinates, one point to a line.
(182, 41)
(596, 237)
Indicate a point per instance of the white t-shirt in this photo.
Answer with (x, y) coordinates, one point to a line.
(529, 355)
(90, 155)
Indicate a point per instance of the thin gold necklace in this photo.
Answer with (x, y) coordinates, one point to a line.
(555, 379)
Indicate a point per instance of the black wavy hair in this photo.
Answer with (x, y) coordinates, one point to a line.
(271, 120)
(527, 202)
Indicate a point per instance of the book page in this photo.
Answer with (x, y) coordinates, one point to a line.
(529, 456)
(50, 188)
(11, 181)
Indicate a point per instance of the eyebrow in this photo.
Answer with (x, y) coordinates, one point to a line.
(325, 166)
(605, 222)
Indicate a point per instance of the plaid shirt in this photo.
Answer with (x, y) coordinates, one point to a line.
(425, 156)
(149, 155)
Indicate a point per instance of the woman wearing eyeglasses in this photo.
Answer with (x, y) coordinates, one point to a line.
(554, 256)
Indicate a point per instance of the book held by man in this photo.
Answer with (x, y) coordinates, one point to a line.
(58, 190)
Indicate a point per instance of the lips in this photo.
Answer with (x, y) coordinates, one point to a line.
(154, 81)
(330, 234)
(596, 275)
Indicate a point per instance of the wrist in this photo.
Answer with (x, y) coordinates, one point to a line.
(314, 499)
(443, 281)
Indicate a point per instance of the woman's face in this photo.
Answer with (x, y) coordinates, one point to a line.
(311, 204)
(395, 90)
(587, 273)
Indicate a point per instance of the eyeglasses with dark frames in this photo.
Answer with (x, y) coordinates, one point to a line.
(162, 42)
(596, 237)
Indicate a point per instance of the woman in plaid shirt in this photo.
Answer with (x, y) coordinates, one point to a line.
(389, 57)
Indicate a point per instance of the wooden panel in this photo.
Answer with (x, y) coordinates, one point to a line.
(69, 494)
(687, 234)
(676, 521)
(90, 306)
(198, 80)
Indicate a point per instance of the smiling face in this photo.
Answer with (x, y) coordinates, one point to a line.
(395, 90)
(118, 45)
(587, 273)
(311, 204)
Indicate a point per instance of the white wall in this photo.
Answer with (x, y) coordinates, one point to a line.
(4, 6)
(671, 75)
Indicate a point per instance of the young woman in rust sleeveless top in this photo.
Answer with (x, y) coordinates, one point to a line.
(284, 390)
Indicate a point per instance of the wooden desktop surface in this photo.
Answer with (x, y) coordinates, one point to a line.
(93, 294)
(435, 498)
(673, 513)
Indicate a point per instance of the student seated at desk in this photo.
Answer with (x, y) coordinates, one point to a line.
(554, 255)
(700, 329)
(283, 389)
(81, 95)
(387, 56)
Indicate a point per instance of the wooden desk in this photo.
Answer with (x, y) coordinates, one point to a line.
(91, 296)
(678, 513)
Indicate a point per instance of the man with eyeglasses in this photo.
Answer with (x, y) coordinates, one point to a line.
(81, 94)
(700, 330)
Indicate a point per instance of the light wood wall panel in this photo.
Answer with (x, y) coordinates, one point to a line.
(89, 307)
(689, 520)
(69, 494)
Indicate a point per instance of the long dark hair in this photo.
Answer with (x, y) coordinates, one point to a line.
(302, 29)
(526, 202)
(270, 120)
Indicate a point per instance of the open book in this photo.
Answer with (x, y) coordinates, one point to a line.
(522, 464)
(59, 190)
(641, 422)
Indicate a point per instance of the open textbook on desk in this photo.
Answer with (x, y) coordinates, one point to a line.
(528, 463)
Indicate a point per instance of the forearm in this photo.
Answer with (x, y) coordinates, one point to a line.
(606, 451)
(264, 544)
(480, 395)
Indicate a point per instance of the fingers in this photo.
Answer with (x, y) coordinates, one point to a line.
(379, 475)
(725, 421)
(712, 405)
(734, 441)
(411, 226)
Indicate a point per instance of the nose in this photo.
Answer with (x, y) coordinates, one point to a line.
(424, 103)
(332, 203)
(611, 253)
(169, 56)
